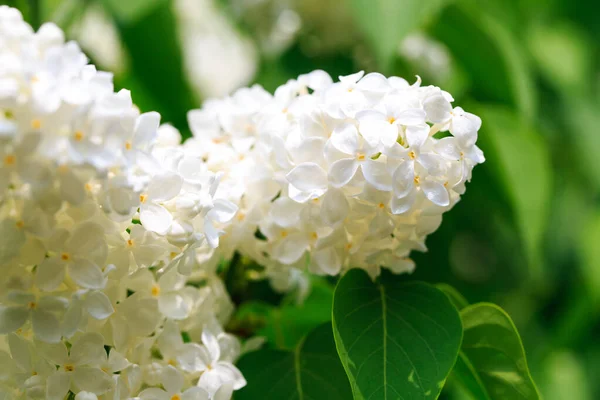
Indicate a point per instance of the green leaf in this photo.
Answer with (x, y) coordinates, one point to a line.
(284, 326)
(490, 53)
(457, 299)
(493, 360)
(156, 61)
(576, 50)
(386, 22)
(590, 254)
(466, 374)
(312, 371)
(131, 11)
(520, 160)
(565, 378)
(581, 113)
(396, 339)
(463, 370)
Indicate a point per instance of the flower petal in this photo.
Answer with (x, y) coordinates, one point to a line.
(308, 177)
(174, 306)
(50, 273)
(194, 358)
(172, 379)
(57, 385)
(92, 379)
(222, 211)
(86, 274)
(98, 305)
(327, 261)
(371, 125)
(12, 318)
(290, 249)
(400, 205)
(342, 171)
(334, 207)
(88, 349)
(438, 108)
(403, 179)
(164, 186)
(155, 218)
(436, 192)
(377, 174)
(154, 394)
(411, 116)
(416, 135)
(286, 212)
(345, 139)
(45, 326)
(196, 393)
(212, 345)
(20, 351)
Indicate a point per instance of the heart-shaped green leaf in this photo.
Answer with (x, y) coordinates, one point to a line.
(396, 339)
(492, 363)
(312, 371)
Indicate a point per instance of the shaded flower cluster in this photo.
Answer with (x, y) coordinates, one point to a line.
(99, 213)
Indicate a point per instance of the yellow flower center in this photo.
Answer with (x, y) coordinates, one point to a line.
(155, 290)
(417, 180)
(20, 224)
(65, 257)
(314, 236)
(360, 157)
(172, 363)
(176, 397)
(32, 305)
(130, 243)
(36, 124)
(412, 155)
(381, 205)
(284, 234)
(78, 136)
(10, 159)
(173, 255)
(391, 120)
(241, 216)
(128, 145)
(143, 198)
(69, 367)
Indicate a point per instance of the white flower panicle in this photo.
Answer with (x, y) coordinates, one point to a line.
(331, 176)
(112, 229)
(101, 212)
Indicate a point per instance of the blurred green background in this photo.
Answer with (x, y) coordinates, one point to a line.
(526, 234)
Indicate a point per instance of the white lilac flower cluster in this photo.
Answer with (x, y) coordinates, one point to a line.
(101, 212)
(352, 174)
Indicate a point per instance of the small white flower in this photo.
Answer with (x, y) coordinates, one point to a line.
(78, 367)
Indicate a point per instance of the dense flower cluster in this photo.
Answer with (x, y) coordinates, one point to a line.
(352, 174)
(100, 215)
(112, 230)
